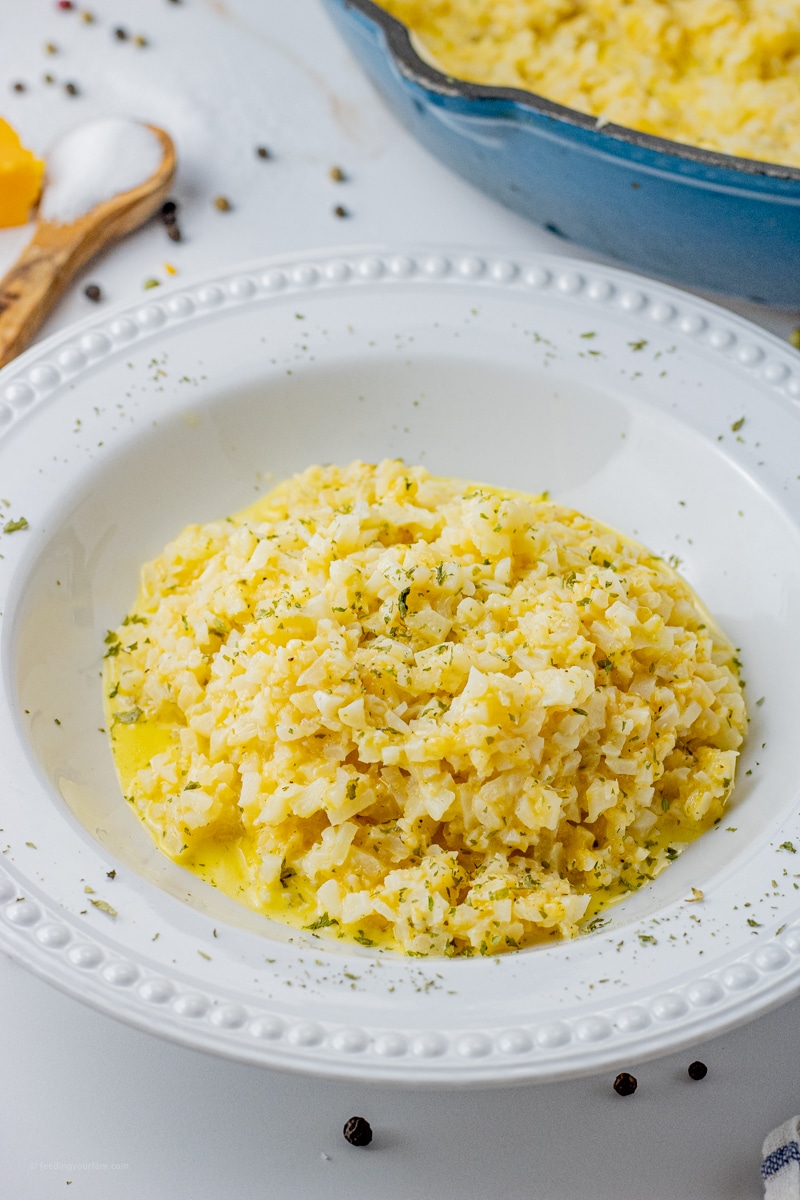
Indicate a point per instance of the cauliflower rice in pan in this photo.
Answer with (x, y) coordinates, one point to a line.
(721, 74)
(416, 713)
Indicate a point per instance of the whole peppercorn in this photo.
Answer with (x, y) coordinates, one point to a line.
(19, 87)
(262, 152)
(71, 89)
(340, 211)
(92, 292)
(625, 1084)
(65, 5)
(169, 216)
(121, 34)
(697, 1070)
(357, 1131)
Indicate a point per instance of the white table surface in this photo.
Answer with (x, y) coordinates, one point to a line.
(110, 1112)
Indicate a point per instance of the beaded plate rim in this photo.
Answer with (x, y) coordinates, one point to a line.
(62, 949)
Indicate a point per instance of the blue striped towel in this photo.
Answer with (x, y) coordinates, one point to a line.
(780, 1169)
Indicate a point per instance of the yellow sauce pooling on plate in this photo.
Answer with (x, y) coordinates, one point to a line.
(416, 713)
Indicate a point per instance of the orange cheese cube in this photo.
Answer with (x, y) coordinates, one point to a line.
(20, 178)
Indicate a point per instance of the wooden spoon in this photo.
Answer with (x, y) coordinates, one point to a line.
(50, 260)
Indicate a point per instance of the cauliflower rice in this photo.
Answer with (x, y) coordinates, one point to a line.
(419, 713)
(721, 74)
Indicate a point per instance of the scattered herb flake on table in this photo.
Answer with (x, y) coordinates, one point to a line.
(15, 526)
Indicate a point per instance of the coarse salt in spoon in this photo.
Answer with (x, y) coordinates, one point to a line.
(103, 180)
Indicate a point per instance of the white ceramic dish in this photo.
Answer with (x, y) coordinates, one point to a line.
(619, 395)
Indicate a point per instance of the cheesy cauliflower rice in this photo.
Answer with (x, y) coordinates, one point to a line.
(420, 713)
(721, 74)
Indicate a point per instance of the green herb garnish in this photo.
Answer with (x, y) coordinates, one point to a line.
(322, 922)
(14, 526)
(130, 717)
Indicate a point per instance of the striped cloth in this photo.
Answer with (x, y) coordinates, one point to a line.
(780, 1169)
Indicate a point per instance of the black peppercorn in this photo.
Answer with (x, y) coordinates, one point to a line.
(92, 292)
(357, 1131)
(262, 152)
(71, 89)
(625, 1084)
(121, 35)
(19, 87)
(169, 210)
(340, 211)
(697, 1070)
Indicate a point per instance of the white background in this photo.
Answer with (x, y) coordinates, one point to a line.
(111, 1113)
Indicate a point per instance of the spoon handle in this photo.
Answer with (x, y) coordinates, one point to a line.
(49, 261)
(32, 286)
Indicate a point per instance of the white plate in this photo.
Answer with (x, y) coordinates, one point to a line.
(116, 435)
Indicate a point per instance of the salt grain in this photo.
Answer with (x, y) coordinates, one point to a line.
(96, 162)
